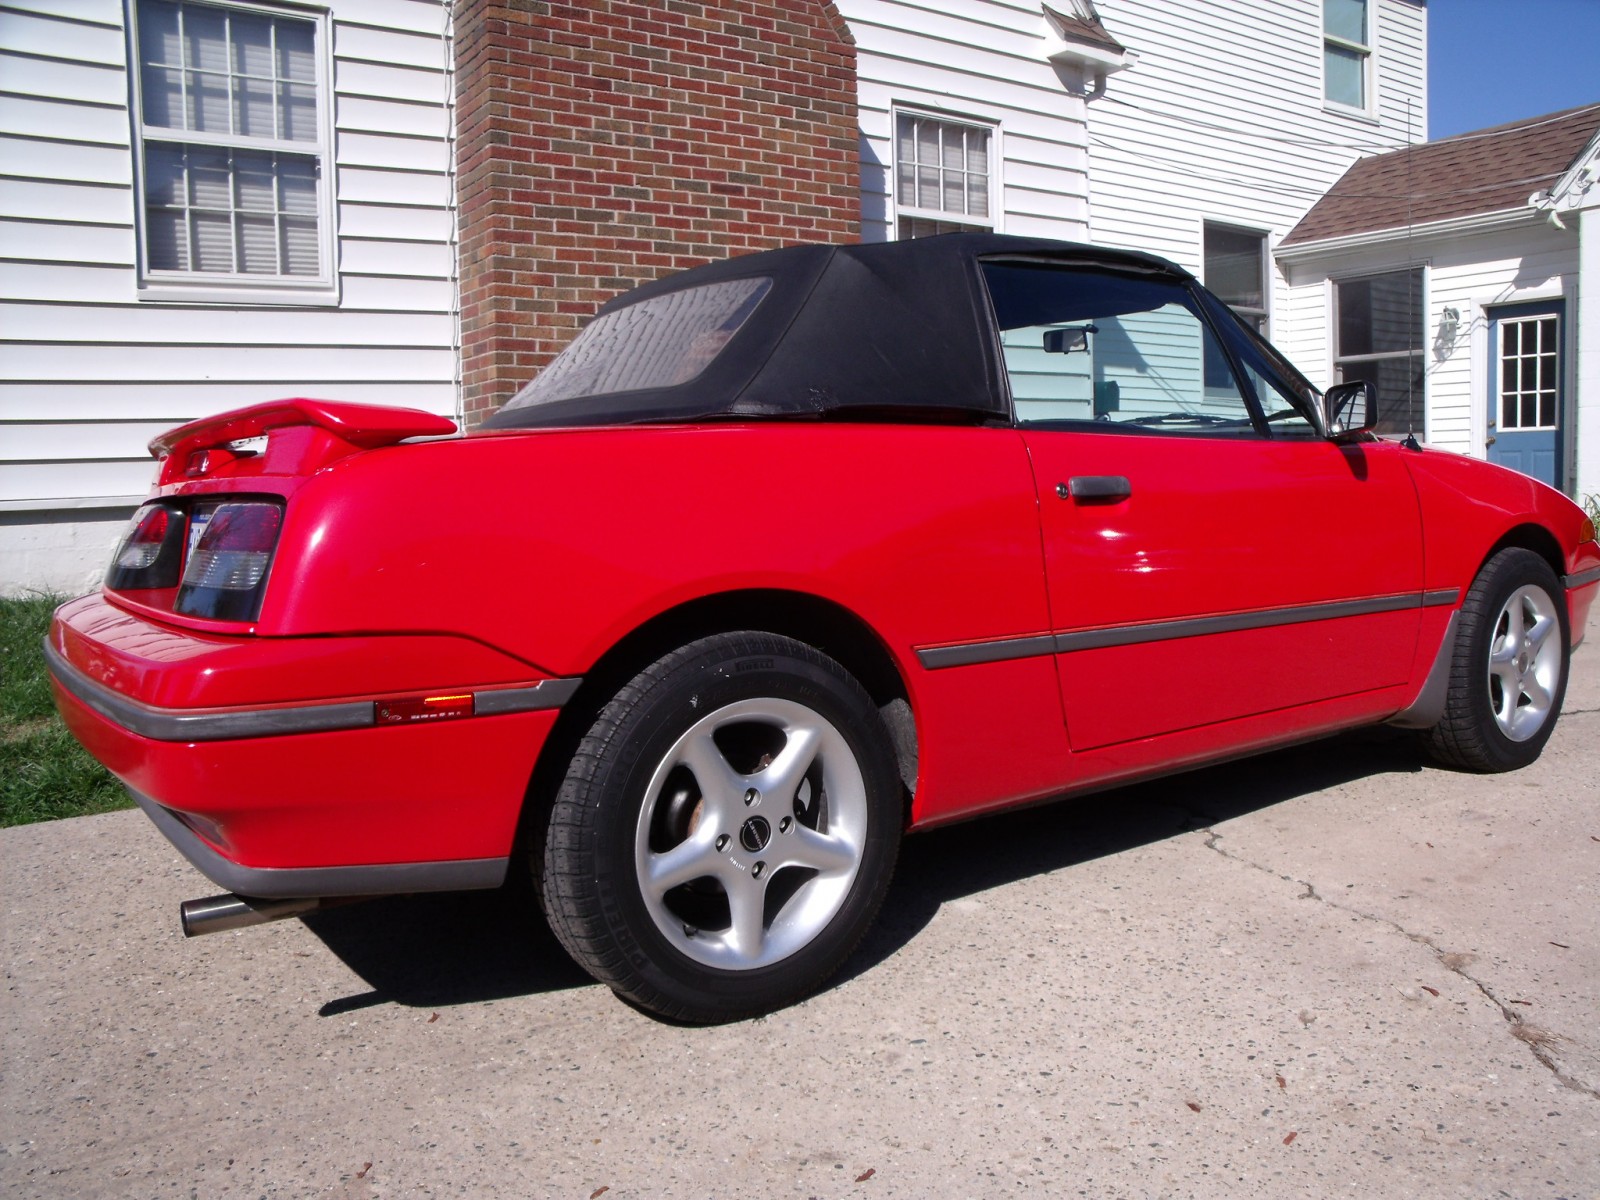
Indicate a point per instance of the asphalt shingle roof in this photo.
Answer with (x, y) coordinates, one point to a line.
(1487, 170)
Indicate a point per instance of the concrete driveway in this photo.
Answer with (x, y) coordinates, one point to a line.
(1333, 971)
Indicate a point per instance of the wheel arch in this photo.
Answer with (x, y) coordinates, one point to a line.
(1533, 537)
(822, 624)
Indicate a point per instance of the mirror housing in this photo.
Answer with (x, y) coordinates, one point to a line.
(1350, 408)
(1070, 339)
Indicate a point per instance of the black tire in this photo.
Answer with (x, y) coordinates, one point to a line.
(778, 885)
(1499, 714)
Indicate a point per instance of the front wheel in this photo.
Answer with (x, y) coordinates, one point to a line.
(726, 830)
(1509, 673)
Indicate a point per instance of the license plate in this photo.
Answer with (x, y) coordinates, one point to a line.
(198, 521)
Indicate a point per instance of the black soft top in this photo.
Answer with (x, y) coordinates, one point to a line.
(890, 330)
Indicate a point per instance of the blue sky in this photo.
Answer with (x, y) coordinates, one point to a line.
(1490, 61)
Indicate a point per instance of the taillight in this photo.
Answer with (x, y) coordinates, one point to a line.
(151, 552)
(226, 575)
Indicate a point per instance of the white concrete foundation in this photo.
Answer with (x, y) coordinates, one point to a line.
(60, 553)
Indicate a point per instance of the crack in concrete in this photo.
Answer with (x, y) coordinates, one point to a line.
(1537, 1040)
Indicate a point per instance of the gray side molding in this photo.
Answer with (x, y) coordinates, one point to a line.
(1425, 711)
(973, 653)
(176, 725)
(1581, 578)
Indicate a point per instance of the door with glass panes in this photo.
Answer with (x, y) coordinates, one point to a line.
(1527, 361)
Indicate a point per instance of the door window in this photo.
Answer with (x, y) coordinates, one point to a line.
(1111, 350)
(1529, 373)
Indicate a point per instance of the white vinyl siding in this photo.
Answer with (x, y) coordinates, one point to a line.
(1473, 275)
(1198, 132)
(979, 62)
(88, 371)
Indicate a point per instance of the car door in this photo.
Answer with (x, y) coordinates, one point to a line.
(1209, 556)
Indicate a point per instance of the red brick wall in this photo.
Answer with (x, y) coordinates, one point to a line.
(603, 144)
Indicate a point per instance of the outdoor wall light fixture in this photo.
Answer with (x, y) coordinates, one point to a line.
(1444, 342)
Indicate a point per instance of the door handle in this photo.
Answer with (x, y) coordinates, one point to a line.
(1489, 441)
(1092, 488)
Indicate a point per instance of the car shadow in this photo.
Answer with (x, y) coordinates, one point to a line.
(438, 949)
(442, 949)
(963, 860)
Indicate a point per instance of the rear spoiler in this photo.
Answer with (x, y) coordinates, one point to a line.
(336, 429)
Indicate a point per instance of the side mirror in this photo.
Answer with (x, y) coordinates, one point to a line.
(1350, 407)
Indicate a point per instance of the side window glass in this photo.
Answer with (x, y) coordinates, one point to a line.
(1284, 417)
(1112, 351)
(1284, 395)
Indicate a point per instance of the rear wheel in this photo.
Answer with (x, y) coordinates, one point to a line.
(726, 830)
(1509, 673)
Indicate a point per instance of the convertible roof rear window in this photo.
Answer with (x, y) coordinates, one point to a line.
(660, 342)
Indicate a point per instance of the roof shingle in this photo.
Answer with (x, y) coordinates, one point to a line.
(1485, 171)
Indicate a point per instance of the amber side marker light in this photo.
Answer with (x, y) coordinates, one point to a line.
(426, 708)
(1586, 531)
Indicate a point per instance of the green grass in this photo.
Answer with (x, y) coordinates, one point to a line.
(44, 773)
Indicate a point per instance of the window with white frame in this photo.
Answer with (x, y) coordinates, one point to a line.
(1347, 53)
(943, 179)
(233, 147)
(1378, 337)
(1236, 271)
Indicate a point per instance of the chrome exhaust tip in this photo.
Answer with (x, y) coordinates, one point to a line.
(227, 911)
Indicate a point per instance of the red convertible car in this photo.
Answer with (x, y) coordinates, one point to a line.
(784, 557)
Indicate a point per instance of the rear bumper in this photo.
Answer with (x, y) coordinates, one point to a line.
(319, 798)
(275, 883)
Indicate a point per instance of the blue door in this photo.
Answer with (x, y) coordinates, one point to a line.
(1527, 362)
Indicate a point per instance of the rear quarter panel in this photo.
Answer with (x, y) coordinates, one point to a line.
(553, 545)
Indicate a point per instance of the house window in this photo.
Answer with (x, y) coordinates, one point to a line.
(233, 143)
(942, 176)
(1236, 271)
(1378, 336)
(1346, 52)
